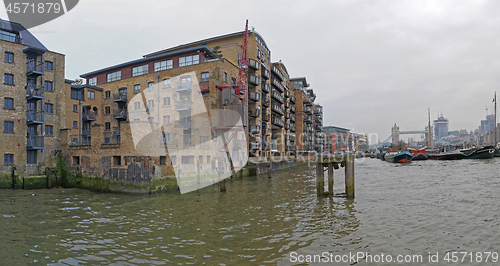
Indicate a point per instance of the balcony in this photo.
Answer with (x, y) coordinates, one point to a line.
(266, 101)
(287, 127)
(287, 93)
(308, 101)
(182, 123)
(111, 137)
(266, 87)
(254, 64)
(318, 112)
(278, 109)
(318, 127)
(292, 98)
(120, 97)
(187, 140)
(35, 143)
(80, 140)
(277, 121)
(293, 128)
(88, 116)
(277, 84)
(308, 110)
(278, 73)
(265, 117)
(287, 115)
(254, 113)
(310, 130)
(308, 120)
(317, 119)
(292, 109)
(287, 105)
(183, 86)
(293, 138)
(182, 105)
(34, 69)
(254, 80)
(292, 118)
(35, 117)
(120, 114)
(34, 92)
(254, 129)
(254, 145)
(266, 74)
(266, 131)
(254, 96)
(266, 146)
(276, 95)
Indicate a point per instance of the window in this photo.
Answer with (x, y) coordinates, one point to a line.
(8, 79)
(49, 108)
(151, 104)
(187, 159)
(114, 76)
(200, 159)
(49, 66)
(8, 127)
(76, 160)
(8, 159)
(9, 57)
(75, 108)
(173, 160)
(137, 106)
(117, 160)
(48, 85)
(163, 160)
(107, 94)
(107, 110)
(208, 159)
(233, 81)
(49, 130)
(75, 124)
(166, 83)
(91, 95)
(122, 92)
(204, 76)
(96, 111)
(225, 77)
(31, 157)
(163, 65)
(7, 36)
(166, 101)
(8, 103)
(92, 81)
(137, 88)
(107, 126)
(166, 119)
(140, 70)
(189, 60)
(151, 86)
(77, 94)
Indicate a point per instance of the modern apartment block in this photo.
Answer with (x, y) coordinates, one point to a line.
(33, 97)
(337, 140)
(318, 128)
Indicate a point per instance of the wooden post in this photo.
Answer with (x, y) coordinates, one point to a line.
(349, 176)
(13, 178)
(320, 179)
(330, 179)
(223, 185)
(23, 182)
(269, 170)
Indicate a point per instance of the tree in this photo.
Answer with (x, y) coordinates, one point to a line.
(77, 82)
(217, 52)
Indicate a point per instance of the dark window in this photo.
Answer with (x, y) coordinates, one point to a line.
(117, 160)
(75, 124)
(107, 125)
(75, 108)
(107, 110)
(8, 103)
(108, 94)
(8, 159)
(49, 66)
(31, 157)
(204, 76)
(48, 85)
(137, 88)
(49, 108)
(8, 127)
(9, 57)
(8, 79)
(49, 130)
(76, 160)
(233, 81)
(163, 160)
(77, 94)
(225, 77)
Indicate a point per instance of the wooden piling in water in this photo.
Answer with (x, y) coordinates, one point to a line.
(320, 179)
(349, 176)
(330, 179)
(269, 170)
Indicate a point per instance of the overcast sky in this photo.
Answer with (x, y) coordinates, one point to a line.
(371, 63)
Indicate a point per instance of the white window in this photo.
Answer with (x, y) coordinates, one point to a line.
(90, 95)
(114, 76)
(140, 70)
(166, 101)
(137, 88)
(166, 119)
(189, 60)
(167, 64)
(151, 86)
(137, 106)
(92, 81)
(166, 83)
(151, 104)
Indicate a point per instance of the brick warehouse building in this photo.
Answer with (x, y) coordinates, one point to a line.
(92, 123)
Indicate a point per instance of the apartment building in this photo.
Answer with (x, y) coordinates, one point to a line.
(337, 140)
(318, 128)
(304, 116)
(33, 93)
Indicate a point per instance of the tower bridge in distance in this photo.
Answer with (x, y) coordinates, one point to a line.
(396, 132)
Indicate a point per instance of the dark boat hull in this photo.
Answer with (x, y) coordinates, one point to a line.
(399, 158)
(419, 157)
(483, 153)
(497, 153)
(446, 156)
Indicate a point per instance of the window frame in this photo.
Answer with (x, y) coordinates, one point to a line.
(10, 56)
(165, 100)
(91, 94)
(92, 81)
(204, 79)
(8, 101)
(46, 86)
(5, 127)
(107, 94)
(49, 63)
(8, 158)
(140, 70)
(137, 88)
(48, 108)
(114, 76)
(75, 124)
(51, 133)
(189, 60)
(8, 77)
(165, 81)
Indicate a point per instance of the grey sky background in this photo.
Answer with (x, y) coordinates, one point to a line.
(371, 63)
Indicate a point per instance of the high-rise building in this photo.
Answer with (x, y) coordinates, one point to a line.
(441, 126)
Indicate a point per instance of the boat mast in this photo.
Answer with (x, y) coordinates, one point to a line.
(495, 100)
(430, 131)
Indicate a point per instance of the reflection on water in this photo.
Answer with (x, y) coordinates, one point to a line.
(422, 207)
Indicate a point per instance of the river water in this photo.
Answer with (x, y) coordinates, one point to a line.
(418, 209)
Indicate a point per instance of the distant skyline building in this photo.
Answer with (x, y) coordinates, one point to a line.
(441, 126)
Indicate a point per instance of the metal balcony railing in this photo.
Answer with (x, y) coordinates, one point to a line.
(80, 140)
(111, 137)
(276, 95)
(35, 117)
(254, 129)
(88, 116)
(266, 74)
(254, 64)
(278, 73)
(278, 109)
(120, 114)
(34, 92)
(292, 109)
(183, 86)
(254, 113)
(182, 105)
(277, 121)
(292, 98)
(266, 101)
(119, 97)
(254, 96)
(183, 124)
(255, 80)
(35, 142)
(277, 84)
(34, 68)
(266, 87)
